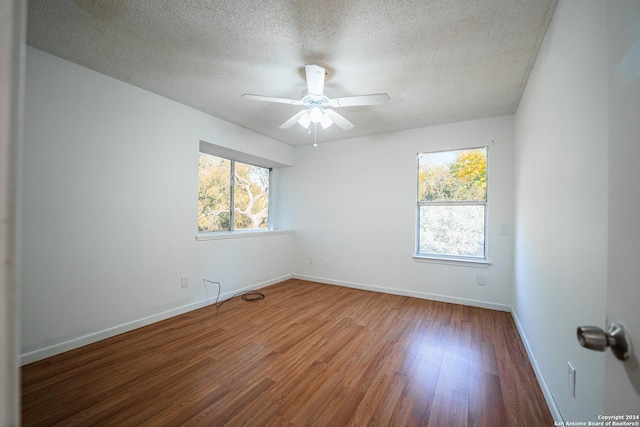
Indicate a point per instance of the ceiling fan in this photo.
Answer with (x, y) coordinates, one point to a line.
(318, 106)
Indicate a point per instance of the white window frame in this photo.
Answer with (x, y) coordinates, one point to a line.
(237, 156)
(445, 258)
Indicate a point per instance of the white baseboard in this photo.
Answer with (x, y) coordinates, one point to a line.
(555, 412)
(52, 350)
(403, 292)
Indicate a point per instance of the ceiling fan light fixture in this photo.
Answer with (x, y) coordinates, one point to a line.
(316, 114)
(326, 121)
(305, 120)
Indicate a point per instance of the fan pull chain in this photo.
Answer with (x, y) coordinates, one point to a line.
(315, 134)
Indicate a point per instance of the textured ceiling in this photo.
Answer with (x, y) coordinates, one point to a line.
(440, 61)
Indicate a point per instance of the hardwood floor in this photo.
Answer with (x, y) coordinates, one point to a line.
(307, 355)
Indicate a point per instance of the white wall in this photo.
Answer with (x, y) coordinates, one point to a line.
(353, 202)
(110, 209)
(561, 204)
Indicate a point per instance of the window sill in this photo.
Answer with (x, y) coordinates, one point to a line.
(453, 261)
(219, 235)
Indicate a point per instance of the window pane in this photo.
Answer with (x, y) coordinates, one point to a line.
(250, 197)
(214, 193)
(453, 176)
(452, 230)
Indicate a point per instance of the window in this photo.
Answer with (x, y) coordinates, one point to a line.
(232, 195)
(452, 204)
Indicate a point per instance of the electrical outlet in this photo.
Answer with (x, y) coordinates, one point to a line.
(482, 280)
(326, 262)
(184, 281)
(571, 380)
(310, 260)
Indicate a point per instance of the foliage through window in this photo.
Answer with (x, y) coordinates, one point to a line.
(231, 195)
(452, 204)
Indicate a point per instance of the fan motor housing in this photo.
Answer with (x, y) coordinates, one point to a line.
(312, 100)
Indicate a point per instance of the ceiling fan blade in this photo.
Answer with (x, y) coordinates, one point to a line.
(272, 99)
(293, 120)
(315, 79)
(351, 101)
(339, 120)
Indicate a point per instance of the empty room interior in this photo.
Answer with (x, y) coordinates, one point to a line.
(325, 213)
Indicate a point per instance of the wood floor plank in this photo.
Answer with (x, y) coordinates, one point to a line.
(451, 400)
(308, 354)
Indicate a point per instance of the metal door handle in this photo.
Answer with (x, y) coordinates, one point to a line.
(594, 338)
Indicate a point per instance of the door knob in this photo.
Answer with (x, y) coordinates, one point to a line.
(615, 337)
